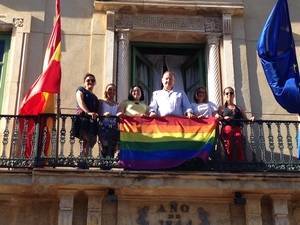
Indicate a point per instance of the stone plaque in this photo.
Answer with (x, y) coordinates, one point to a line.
(174, 213)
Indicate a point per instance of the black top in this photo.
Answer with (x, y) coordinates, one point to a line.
(90, 100)
(234, 114)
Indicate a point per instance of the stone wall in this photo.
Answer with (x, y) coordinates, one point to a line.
(87, 45)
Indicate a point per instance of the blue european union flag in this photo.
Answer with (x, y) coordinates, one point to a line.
(276, 49)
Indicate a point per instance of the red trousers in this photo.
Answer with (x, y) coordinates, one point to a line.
(233, 142)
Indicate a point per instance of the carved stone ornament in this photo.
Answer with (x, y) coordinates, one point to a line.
(143, 216)
(18, 22)
(168, 23)
(203, 216)
(213, 25)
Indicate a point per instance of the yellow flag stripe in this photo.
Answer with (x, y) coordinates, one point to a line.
(57, 53)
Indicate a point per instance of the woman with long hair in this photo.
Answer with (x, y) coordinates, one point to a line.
(202, 108)
(231, 133)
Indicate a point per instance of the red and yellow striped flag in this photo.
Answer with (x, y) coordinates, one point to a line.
(40, 99)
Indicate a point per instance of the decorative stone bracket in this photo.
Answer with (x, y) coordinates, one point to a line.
(21, 22)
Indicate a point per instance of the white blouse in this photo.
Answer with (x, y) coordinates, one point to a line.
(204, 109)
(111, 109)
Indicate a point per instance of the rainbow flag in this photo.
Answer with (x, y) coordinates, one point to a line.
(164, 142)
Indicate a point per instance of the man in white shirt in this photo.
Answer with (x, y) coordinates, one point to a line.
(169, 102)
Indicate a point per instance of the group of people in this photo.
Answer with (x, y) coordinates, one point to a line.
(166, 101)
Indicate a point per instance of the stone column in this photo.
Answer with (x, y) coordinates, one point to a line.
(280, 209)
(65, 214)
(228, 69)
(253, 209)
(213, 71)
(109, 66)
(123, 64)
(94, 213)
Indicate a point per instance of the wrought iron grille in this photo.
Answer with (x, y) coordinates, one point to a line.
(48, 141)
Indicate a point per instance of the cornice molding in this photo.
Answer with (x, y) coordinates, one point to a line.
(234, 8)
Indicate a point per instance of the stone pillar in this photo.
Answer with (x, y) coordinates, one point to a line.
(213, 71)
(66, 200)
(280, 209)
(94, 213)
(123, 64)
(253, 209)
(109, 65)
(228, 69)
(20, 26)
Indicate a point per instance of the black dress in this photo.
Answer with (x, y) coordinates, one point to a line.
(84, 126)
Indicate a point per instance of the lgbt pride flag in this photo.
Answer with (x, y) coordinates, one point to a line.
(164, 142)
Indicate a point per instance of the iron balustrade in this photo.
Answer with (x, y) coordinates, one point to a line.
(27, 142)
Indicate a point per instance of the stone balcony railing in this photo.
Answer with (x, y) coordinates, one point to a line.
(269, 146)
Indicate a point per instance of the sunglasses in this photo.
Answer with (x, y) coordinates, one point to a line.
(90, 80)
(200, 92)
(229, 93)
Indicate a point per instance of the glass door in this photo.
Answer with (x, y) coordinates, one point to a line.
(142, 73)
(4, 51)
(193, 72)
(150, 60)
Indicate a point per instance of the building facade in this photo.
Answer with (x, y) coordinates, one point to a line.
(207, 43)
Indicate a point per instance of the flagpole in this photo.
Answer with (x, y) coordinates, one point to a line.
(58, 114)
(57, 8)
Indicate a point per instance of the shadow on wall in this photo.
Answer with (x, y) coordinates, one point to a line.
(256, 98)
(69, 8)
(240, 77)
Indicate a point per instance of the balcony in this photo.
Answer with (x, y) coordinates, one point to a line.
(269, 146)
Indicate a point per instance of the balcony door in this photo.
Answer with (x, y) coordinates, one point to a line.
(149, 61)
(4, 50)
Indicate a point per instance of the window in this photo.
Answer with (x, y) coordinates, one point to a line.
(150, 61)
(4, 51)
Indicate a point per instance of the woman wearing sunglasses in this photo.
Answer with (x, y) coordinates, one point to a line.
(85, 127)
(203, 108)
(231, 132)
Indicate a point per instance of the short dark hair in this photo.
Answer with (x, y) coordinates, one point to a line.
(131, 98)
(198, 89)
(89, 75)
